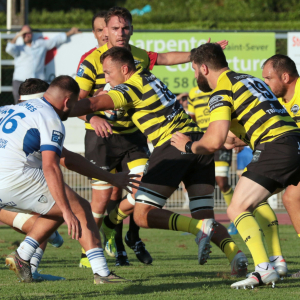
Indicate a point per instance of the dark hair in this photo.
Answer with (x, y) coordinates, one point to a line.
(121, 55)
(33, 86)
(281, 64)
(209, 54)
(66, 83)
(100, 14)
(121, 12)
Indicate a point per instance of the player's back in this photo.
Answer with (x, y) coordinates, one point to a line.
(152, 107)
(256, 114)
(24, 129)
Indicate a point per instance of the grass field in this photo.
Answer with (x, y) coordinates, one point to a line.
(175, 273)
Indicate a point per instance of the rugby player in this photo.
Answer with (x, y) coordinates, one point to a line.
(32, 141)
(155, 111)
(126, 147)
(244, 105)
(199, 111)
(281, 75)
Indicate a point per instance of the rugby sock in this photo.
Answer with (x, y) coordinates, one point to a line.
(133, 233)
(98, 261)
(181, 223)
(228, 196)
(36, 259)
(229, 247)
(251, 234)
(115, 217)
(27, 248)
(52, 237)
(267, 221)
(118, 237)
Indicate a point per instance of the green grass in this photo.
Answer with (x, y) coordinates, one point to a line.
(175, 273)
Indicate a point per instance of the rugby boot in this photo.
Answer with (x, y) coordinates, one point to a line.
(203, 238)
(239, 265)
(268, 277)
(21, 267)
(139, 249)
(110, 278)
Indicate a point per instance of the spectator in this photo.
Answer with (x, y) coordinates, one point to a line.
(30, 57)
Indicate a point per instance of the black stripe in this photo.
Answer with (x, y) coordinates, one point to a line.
(201, 198)
(135, 89)
(244, 106)
(200, 97)
(203, 128)
(175, 222)
(296, 119)
(245, 215)
(90, 66)
(224, 243)
(223, 103)
(262, 204)
(86, 76)
(127, 97)
(202, 207)
(278, 124)
(201, 105)
(172, 221)
(148, 94)
(221, 93)
(239, 92)
(100, 76)
(257, 275)
(152, 106)
(236, 77)
(154, 127)
(120, 129)
(149, 203)
(152, 193)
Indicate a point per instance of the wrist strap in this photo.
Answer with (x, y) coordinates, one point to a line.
(188, 147)
(89, 116)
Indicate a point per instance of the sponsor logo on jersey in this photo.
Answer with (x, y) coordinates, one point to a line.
(295, 109)
(256, 156)
(215, 99)
(80, 71)
(122, 88)
(43, 199)
(57, 137)
(3, 143)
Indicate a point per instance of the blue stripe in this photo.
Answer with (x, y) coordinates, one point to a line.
(51, 148)
(32, 141)
(96, 255)
(31, 242)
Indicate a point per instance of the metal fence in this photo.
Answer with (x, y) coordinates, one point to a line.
(82, 186)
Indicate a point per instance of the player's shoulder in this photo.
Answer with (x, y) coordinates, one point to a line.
(94, 56)
(86, 54)
(139, 54)
(194, 92)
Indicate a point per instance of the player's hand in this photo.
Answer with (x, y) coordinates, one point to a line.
(179, 141)
(124, 180)
(74, 30)
(222, 43)
(101, 126)
(74, 228)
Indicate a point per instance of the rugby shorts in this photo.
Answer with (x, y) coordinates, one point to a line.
(116, 152)
(276, 164)
(223, 157)
(167, 166)
(30, 195)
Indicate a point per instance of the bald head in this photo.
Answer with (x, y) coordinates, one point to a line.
(27, 34)
(62, 94)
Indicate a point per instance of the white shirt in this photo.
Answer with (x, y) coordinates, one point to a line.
(26, 130)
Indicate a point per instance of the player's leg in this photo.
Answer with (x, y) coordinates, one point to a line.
(201, 207)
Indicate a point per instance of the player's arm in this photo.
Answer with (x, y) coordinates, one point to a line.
(77, 163)
(213, 139)
(174, 58)
(54, 178)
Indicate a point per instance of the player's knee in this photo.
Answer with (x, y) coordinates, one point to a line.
(140, 215)
(85, 205)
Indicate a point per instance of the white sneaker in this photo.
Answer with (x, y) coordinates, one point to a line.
(239, 265)
(36, 276)
(257, 278)
(203, 238)
(280, 267)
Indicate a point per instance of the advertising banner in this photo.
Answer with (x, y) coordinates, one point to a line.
(293, 42)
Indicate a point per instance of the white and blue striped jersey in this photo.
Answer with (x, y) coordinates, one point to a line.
(26, 130)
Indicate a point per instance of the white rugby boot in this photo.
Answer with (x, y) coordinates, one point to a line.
(280, 267)
(239, 265)
(203, 238)
(257, 278)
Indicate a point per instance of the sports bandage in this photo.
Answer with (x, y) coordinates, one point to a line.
(149, 197)
(201, 202)
(20, 220)
(98, 216)
(101, 185)
(32, 96)
(130, 199)
(222, 171)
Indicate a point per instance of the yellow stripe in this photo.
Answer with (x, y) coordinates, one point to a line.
(136, 163)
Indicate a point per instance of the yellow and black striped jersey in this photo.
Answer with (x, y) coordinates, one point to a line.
(293, 106)
(90, 77)
(152, 107)
(198, 106)
(255, 113)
